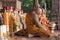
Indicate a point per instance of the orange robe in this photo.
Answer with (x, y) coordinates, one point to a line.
(6, 19)
(44, 20)
(31, 27)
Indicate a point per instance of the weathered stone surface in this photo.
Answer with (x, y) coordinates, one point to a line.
(55, 11)
(12, 3)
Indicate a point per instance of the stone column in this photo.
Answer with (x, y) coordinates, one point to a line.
(54, 11)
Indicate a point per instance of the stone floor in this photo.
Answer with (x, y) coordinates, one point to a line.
(36, 38)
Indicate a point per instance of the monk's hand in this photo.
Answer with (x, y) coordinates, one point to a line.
(44, 28)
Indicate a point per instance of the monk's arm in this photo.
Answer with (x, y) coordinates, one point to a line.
(36, 19)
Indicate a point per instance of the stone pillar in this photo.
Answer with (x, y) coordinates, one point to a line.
(55, 12)
(18, 5)
(59, 16)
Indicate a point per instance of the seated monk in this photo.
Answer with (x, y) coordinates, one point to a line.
(33, 25)
(45, 22)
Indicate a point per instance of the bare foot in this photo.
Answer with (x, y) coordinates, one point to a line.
(30, 35)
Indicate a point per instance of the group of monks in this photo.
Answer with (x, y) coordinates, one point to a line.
(36, 22)
(33, 22)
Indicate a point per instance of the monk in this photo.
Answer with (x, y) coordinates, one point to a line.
(33, 25)
(36, 23)
(44, 22)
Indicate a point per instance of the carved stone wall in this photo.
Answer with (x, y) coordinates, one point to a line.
(12, 3)
(55, 12)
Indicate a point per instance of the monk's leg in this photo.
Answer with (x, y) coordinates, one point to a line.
(35, 30)
(31, 31)
(43, 33)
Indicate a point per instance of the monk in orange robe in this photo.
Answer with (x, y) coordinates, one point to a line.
(45, 22)
(33, 26)
(33, 23)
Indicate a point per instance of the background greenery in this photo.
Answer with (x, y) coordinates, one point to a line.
(27, 4)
